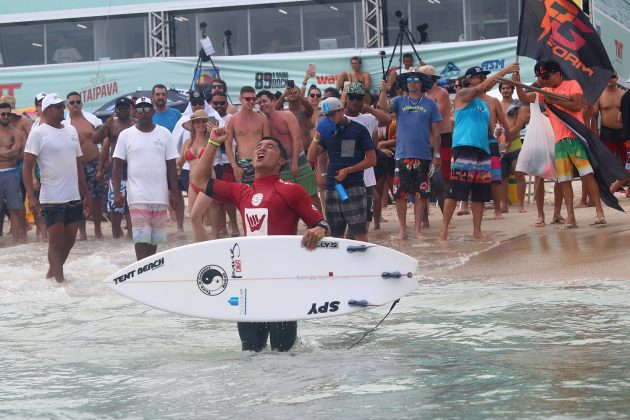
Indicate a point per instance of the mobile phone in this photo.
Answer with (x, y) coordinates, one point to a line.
(291, 84)
(277, 94)
(213, 121)
(311, 68)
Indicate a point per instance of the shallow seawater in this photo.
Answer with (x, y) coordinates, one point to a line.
(455, 348)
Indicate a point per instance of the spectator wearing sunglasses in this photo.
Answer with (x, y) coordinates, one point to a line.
(570, 153)
(471, 170)
(417, 134)
(86, 125)
(150, 154)
(55, 147)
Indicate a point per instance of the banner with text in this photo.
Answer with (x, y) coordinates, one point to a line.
(99, 83)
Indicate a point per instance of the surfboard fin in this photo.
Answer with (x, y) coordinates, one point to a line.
(362, 303)
(392, 275)
(357, 248)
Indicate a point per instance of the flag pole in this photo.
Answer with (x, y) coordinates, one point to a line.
(533, 89)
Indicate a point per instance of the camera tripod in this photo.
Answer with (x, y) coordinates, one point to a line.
(403, 32)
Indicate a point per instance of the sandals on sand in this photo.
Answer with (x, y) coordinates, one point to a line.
(558, 220)
(540, 223)
(570, 226)
(599, 221)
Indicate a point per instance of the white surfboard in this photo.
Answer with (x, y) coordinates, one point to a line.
(268, 278)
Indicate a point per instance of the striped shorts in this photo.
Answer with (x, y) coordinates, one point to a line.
(470, 175)
(148, 223)
(495, 159)
(571, 152)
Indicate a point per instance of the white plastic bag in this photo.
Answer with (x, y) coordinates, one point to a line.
(537, 155)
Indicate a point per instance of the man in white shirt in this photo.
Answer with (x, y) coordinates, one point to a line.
(150, 154)
(56, 149)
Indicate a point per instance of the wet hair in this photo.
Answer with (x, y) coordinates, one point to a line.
(247, 89)
(158, 86)
(334, 93)
(266, 93)
(356, 57)
(501, 86)
(73, 93)
(283, 150)
(222, 83)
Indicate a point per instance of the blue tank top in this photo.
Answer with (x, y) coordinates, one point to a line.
(471, 125)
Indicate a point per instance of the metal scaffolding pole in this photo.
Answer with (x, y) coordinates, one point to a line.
(159, 34)
(372, 24)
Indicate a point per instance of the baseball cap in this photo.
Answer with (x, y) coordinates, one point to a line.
(330, 106)
(123, 101)
(543, 67)
(356, 88)
(52, 99)
(144, 100)
(39, 97)
(196, 97)
(475, 71)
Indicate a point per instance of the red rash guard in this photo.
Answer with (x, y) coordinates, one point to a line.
(270, 207)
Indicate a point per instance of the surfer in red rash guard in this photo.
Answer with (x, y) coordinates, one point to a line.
(270, 207)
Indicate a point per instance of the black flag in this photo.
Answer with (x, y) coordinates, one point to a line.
(559, 30)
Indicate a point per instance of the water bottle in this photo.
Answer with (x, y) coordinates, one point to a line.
(341, 192)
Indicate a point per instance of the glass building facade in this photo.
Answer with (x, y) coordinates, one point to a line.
(272, 28)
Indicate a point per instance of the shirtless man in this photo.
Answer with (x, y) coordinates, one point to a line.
(303, 111)
(108, 135)
(517, 117)
(247, 127)
(441, 98)
(355, 75)
(11, 141)
(86, 125)
(496, 115)
(23, 124)
(284, 126)
(607, 111)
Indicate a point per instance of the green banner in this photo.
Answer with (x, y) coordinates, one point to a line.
(99, 83)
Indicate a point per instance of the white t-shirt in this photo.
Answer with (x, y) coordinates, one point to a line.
(146, 155)
(370, 122)
(57, 150)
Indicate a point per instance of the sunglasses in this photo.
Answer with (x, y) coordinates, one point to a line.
(5, 114)
(249, 99)
(57, 106)
(413, 80)
(144, 109)
(480, 76)
(217, 86)
(218, 103)
(355, 97)
(545, 76)
(75, 102)
(315, 95)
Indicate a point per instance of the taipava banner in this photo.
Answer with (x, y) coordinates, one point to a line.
(101, 82)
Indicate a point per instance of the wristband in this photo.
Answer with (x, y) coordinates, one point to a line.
(437, 155)
(214, 143)
(324, 225)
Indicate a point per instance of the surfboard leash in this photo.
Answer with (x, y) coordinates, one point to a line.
(379, 323)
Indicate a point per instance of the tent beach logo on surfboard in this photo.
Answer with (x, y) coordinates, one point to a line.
(212, 280)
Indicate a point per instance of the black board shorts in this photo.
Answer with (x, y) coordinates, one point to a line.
(69, 212)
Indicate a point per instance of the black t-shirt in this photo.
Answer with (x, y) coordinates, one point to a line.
(346, 146)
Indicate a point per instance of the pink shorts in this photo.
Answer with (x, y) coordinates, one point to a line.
(148, 223)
